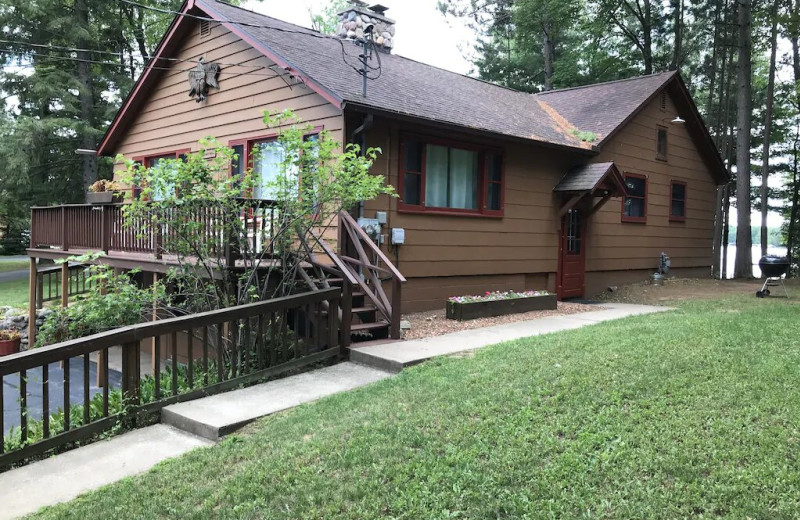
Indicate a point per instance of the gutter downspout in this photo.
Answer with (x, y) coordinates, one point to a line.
(359, 137)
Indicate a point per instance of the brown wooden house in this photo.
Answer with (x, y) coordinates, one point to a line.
(571, 190)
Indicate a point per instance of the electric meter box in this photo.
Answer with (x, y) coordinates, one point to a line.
(398, 236)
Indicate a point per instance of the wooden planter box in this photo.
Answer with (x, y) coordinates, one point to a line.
(9, 346)
(104, 197)
(470, 311)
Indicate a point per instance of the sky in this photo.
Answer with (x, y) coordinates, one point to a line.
(423, 33)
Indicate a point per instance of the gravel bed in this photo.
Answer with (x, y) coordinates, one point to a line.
(434, 323)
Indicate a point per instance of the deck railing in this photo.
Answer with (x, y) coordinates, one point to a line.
(192, 356)
(102, 227)
(50, 285)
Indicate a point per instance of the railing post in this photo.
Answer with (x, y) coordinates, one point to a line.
(347, 311)
(31, 302)
(65, 285)
(158, 237)
(105, 229)
(130, 373)
(396, 316)
(64, 240)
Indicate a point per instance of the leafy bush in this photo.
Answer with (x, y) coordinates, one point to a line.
(114, 300)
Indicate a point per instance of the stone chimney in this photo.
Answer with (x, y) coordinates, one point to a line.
(353, 20)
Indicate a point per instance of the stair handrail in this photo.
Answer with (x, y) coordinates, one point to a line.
(352, 227)
(346, 217)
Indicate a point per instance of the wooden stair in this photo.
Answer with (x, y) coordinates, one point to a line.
(361, 269)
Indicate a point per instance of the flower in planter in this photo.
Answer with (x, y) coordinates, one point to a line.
(10, 335)
(497, 295)
(104, 185)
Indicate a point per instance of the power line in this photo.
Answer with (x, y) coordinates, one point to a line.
(119, 54)
(308, 32)
(147, 66)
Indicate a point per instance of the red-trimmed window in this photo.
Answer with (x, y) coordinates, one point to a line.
(150, 161)
(264, 155)
(677, 201)
(634, 204)
(438, 176)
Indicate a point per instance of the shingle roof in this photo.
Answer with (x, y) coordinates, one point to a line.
(604, 107)
(419, 91)
(586, 177)
(405, 86)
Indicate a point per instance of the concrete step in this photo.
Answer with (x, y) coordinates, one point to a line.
(63, 477)
(218, 415)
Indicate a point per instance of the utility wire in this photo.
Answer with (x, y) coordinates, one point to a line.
(118, 54)
(308, 32)
(145, 67)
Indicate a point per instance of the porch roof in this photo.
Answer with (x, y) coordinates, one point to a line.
(591, 177)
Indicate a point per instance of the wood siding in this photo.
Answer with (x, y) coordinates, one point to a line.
(616, 246)
(171, 120)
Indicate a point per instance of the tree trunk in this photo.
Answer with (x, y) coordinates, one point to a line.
(726, 230)
(744, 255)
(793, 212)
(677, 13)
(547, 53)
(764, 195)
(86, 97)
(647, 31)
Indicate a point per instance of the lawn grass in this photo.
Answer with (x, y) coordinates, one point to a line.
(13, 265)
(14, 293)
(693, 413)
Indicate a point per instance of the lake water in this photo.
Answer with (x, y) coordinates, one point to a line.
(780, 251)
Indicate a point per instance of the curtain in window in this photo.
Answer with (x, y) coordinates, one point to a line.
(436, 176)
(463, 179)
(267, 161)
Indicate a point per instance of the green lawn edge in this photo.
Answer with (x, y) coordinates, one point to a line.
(694, 412)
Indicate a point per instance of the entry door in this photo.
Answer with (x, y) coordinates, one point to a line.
(572, 256)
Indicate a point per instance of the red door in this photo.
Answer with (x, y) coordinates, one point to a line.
(572, 256)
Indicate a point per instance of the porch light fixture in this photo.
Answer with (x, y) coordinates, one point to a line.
(677, 121)
(84, 151)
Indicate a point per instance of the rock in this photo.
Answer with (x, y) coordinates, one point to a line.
(379, 41)
(391, 30)
(386, 34)
(359, 33)
(359, 22)
(405, 325)
(365, 19)
(351, 15)
(351, 34)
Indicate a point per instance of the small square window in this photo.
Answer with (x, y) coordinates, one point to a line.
(634, 205)
(661, 143)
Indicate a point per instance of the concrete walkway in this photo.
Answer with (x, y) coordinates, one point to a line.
(218, 415)
(398, 355)
(63, 477)
(198, 423)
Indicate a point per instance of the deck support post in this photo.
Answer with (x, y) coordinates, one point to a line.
(32, 279)
(155, 318)
(101, 354)
(64, 285)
